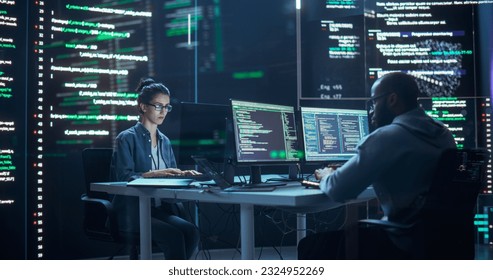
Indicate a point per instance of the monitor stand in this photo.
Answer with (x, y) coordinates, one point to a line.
(293, 172)
(255, 175)
(256, 179)
(229, 171)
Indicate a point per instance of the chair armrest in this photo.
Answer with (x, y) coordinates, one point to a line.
(107, 204)
(100, 214)
(385, 224)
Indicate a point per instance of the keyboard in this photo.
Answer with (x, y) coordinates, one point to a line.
(266, 184)
(249, 189)
(201, 177)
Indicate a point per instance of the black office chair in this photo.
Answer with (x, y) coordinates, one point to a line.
(100, 219)
(443, 228)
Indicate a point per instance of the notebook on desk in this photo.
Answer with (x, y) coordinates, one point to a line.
(161, 183)
(226, 186)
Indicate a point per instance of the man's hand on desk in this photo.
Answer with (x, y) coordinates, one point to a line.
(320, 173)
(169, 172)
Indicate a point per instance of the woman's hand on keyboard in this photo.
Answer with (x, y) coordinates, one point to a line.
(163, 172)
(190, 172)
(170, 172)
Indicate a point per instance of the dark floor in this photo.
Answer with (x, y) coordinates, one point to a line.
(483, 252)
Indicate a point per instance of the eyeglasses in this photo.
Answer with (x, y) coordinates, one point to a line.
(160, 107)
(370, 104)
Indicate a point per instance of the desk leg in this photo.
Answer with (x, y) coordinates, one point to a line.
(300, 226)
(145, 228)
(351, 231)
(247, 232)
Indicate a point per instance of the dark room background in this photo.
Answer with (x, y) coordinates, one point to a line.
(68, 72)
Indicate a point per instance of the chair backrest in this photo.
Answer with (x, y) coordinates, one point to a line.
(447, 229)
(96, 163)
(99, 217)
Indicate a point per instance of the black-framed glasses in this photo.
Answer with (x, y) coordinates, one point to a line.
(160, 107)
(370, 104)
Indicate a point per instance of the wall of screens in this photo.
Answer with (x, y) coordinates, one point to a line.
(469, 120)
(68, 70)
(344, 41)
(67, 76)
(12, 129)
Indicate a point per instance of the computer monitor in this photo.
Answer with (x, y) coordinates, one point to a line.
(331, 135)
(202, 132)
(264, 134)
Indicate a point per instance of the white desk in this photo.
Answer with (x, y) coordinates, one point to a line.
(294, 196)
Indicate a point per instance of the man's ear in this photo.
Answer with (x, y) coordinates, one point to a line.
(392, 99)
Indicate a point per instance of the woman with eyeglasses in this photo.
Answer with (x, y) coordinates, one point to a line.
(144, 151)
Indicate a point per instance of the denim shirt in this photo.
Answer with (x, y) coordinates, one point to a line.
(132, 155)
(131, 158)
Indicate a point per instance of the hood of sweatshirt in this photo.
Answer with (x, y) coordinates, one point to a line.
(424, 127)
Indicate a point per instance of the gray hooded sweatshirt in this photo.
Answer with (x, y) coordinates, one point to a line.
(398, 160)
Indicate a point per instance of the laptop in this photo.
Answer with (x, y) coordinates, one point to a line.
(226, 186)
(161, 183)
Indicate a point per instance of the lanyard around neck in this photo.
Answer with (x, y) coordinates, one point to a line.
(156, 165)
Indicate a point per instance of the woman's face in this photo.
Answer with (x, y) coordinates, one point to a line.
(156, 110)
